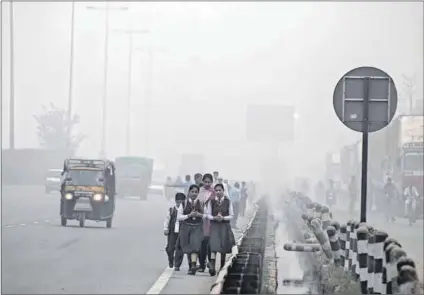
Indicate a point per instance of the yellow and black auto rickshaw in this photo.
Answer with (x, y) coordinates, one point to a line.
(87, 191)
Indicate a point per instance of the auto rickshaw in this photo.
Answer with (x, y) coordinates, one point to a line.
(87, 191)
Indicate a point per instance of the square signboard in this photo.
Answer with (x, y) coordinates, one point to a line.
(270, 123)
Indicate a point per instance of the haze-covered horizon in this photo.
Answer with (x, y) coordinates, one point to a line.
(210, 60)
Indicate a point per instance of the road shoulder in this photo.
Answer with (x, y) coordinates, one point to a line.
(182, 283)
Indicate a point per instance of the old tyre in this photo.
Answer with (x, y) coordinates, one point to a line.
(109, 223)
(63, 221)
(82, 220)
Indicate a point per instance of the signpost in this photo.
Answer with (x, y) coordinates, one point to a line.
(365, 100)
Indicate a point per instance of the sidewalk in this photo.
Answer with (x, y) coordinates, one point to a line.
(182, 283)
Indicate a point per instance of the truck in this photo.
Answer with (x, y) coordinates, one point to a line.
(191, 164)
(133, 176)
(399, 150)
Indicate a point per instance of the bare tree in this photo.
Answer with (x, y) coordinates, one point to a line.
(54, 130)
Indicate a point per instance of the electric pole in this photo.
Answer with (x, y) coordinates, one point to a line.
(130, 33)
(107, 8)
(71, 74)
(12, 82)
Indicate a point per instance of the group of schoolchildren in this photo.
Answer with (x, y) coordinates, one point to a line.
(199, 225)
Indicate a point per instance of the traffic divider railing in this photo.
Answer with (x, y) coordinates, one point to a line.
(372, 258)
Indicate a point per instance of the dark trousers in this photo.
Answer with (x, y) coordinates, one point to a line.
(173, 250)
(205, 251)
(236, 209)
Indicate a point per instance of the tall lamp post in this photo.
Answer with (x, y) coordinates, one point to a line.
(149, 91)
(12, 82)
(130, 33)
(71, 73)
(107, 8)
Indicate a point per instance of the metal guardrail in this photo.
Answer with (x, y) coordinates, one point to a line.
(235, 258)
(374, 260)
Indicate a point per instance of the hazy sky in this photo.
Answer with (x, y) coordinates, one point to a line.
(210, 60)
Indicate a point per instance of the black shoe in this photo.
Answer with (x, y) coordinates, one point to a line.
(192, 271)
(201, 269)
(177, 268)
(171, 264)
(211, 266)
(193, 268)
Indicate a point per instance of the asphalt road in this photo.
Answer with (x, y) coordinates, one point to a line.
(41, 257)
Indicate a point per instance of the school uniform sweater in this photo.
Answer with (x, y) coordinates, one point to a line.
(205, 195)
(171, 214)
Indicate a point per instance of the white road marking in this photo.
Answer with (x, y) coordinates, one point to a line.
(161, 281)
(24, 224)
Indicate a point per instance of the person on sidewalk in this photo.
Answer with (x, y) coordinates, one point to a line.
(171, 230)
(225, 186)
(243, 198)
(206, 194)
(221, 238)
(215, 177)
(191, 230)
(391, 200)
(235, 198)
(198, 180)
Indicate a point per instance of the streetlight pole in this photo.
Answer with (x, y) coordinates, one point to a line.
(149, 93)
(105, 72)
(12, 82)
(71, 73)
(130, 56)
(128, 128)
(148, 100)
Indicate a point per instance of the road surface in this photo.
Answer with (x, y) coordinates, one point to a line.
(41, 257)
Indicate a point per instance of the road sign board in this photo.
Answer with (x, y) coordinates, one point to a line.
(359, 85)
(365, 100)
(270, 123)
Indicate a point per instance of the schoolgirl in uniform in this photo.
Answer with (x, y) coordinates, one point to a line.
(221, 238)
(191, 226)
(205, 195)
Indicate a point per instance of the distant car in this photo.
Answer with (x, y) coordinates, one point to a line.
(52, 182)
(157, 188)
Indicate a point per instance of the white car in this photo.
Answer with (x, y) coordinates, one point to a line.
(53, 180)
(157, 189)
